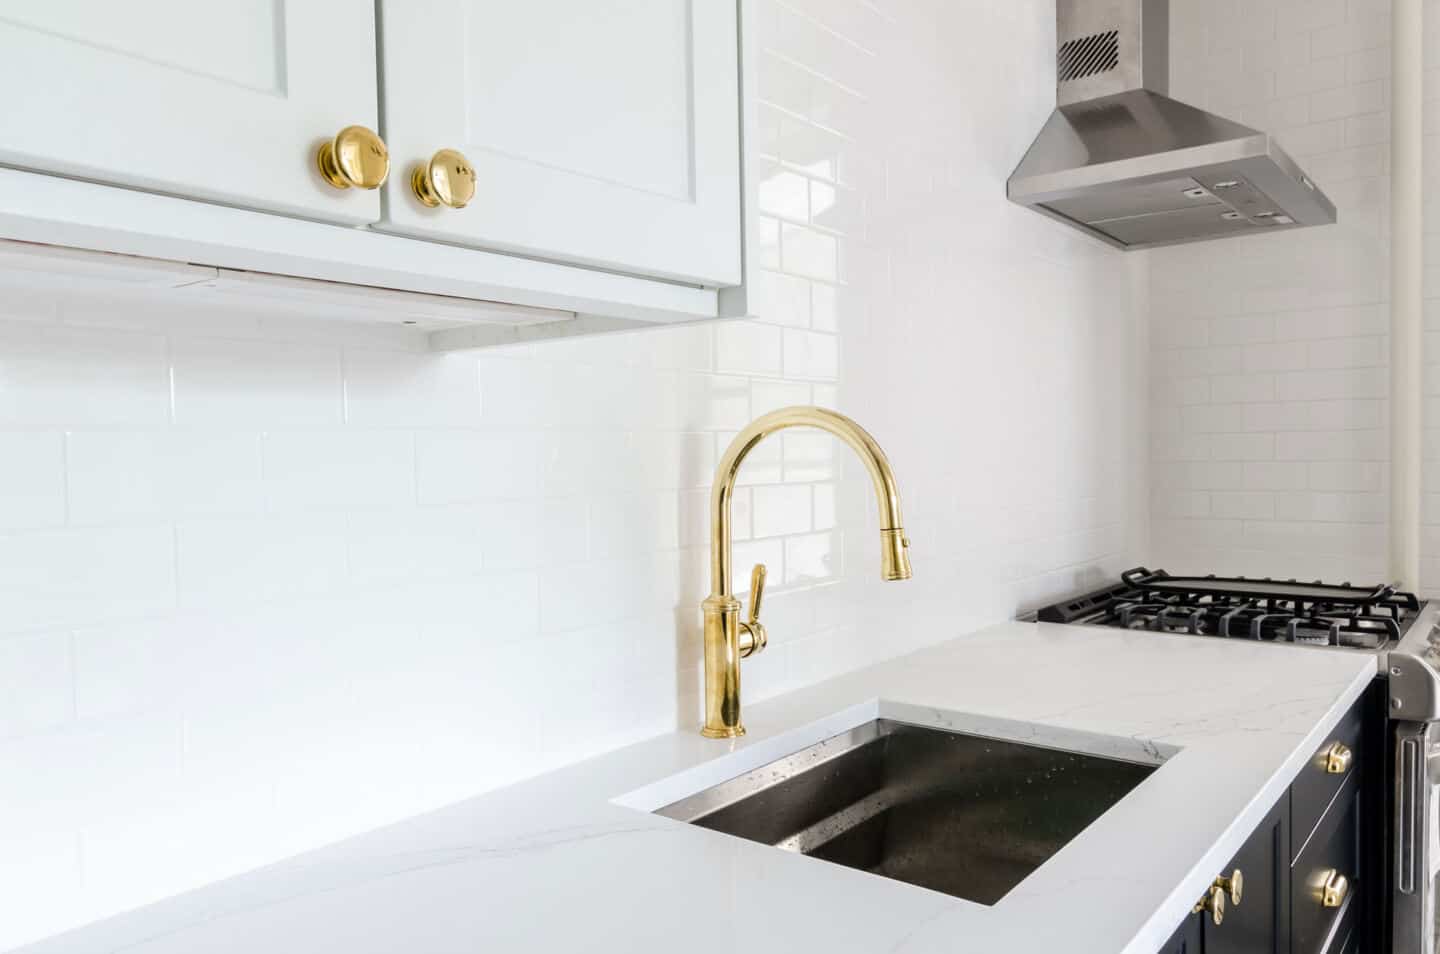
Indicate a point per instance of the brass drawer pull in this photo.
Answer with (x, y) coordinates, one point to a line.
(1338, 758)
(1214, 902)
(1234, 885)
(1333, 889)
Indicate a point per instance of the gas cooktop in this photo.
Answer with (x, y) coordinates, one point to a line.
(1322, 614)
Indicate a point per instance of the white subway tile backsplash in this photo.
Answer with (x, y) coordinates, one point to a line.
(1242, 329)
(125, 476)
(747, 347)
(633, 524)
(417, 544)
(396, 389)
(1297, 356)
(1332, 507)
(32, 480)
(1334, 384)
(824, 307)
(781, 510)
(1242, 447)
(234, 383)
(1348, 353)
(36, 686)
(811, 557)
(229, 562)
(809, 253)
(124, 668)
(337, 470)
(1276, 475)
(1235, 389)
(465, 466)
(1347, 475)
(811, 456)
(54, 377)
(783, 193)
(1248, 505)
(90, 776)
(1332, 446)
(69, 577)
(789, 296)
(1356, 99)
(810, 354)
(1331, 323)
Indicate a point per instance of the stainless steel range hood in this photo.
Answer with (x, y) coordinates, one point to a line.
(1122, 161)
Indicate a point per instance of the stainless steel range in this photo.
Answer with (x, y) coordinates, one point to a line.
(1397, 627)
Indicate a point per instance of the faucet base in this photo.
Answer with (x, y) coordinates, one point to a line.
(723, 732)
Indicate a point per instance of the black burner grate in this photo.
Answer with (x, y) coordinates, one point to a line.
(1240, 607)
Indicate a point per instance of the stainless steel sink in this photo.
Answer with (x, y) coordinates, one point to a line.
(957, 813)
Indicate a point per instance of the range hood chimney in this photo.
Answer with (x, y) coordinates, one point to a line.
(1122, 161)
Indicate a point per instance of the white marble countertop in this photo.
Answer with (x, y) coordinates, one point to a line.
(566, 862)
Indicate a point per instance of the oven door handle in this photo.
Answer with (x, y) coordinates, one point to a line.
(1413, 911)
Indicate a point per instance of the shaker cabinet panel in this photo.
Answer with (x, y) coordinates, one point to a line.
(225, 102)
(603, 134)
(1186, 939)
(1260, 922)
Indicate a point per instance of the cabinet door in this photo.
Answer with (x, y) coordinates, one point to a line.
(1186, 939)
(1260, 923)
(219, 101)
(604, 134)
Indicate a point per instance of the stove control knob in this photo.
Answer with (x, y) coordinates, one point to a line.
(1337, 758)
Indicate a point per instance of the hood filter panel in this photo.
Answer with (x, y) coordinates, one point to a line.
(1177, 209)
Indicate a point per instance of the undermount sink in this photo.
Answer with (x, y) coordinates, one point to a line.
(962, 814)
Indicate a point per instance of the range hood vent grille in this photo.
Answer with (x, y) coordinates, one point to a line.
(1088, 55)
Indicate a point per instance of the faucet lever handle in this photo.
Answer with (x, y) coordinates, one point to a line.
(757, 592)
(752, 635)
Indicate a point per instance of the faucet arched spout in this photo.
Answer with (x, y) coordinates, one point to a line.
(728, 639)
(894, 560)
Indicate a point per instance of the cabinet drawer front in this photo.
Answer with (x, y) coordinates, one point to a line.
(1347, 939)
(1315, 787)
(1333, 850)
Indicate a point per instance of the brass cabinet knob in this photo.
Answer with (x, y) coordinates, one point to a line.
(1233, 885)
(1214, 902)
(1337, 758)
(447, 179)
(355, 157)
(753, 637)
(1333, 889)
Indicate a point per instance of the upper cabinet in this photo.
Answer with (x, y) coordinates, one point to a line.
(602, 134)
(225, 102)
(581, 160)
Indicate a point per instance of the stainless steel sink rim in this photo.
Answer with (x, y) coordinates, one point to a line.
(964, 813)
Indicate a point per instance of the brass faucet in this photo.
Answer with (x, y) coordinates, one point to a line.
(728, 639)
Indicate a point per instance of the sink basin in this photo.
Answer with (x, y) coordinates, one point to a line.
(962, 814)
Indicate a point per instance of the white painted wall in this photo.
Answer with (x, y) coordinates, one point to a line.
(264, 584)
(1268, 355)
